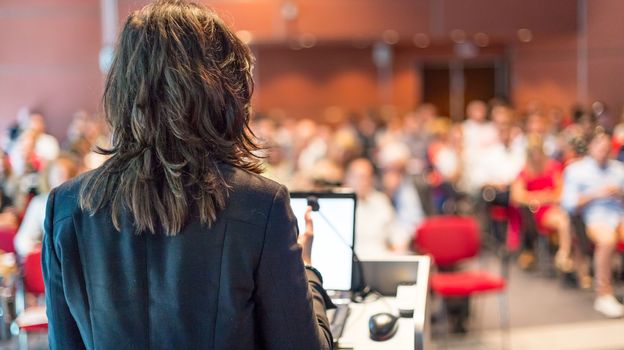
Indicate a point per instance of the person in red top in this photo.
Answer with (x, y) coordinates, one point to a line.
(538, 187)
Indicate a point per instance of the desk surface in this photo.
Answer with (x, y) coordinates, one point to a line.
(413, 333)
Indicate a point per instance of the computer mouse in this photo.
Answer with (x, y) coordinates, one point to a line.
(382, 326)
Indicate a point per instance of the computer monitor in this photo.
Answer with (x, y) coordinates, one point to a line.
(334, 235)
(385, 274)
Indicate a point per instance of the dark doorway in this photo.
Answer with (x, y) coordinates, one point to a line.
(437, 87)
(479, 84)
(451, 85)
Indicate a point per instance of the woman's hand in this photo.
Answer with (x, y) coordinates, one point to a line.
(306, 238)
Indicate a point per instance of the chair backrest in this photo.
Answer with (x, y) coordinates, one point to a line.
(6, 240)
(33, 272)
(448, 239)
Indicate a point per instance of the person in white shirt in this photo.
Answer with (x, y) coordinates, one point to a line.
(501, 163)
(33, 143)
(479, 135)
(377, 231)
(30, 232)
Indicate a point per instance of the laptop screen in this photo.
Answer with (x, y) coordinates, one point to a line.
(334, 231)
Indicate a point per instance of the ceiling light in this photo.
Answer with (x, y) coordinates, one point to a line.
(421, 40)
(307, 40)
(390, 37)
(458, 36)
(525, 35)
(481, 39)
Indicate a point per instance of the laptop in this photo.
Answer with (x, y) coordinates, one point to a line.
(386, 273)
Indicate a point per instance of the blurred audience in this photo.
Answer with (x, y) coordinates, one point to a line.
(33, 148)
(30, 231)
(593, 187)
(377, 232)
(400, 186)
(33, 162)
(402, 167)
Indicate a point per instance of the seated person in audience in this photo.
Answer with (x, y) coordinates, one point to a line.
(344, 146)
(499, 165)
(504, 116)
(582, 126)
(574, 148)
(367, 128)
(77, 141)
(391, 128)
(30, 232)
(444, 154)
(277, 165)
(536, 123)
(495, 170)
(618, 142)
(539, 188)
(39, 147)
(593, 187)
(327, 174)
(310, 144)
(375, 224)
(399, 186)
(8, 213)
(416, 134)
(98, 136)
(479, 135)
(22, 184)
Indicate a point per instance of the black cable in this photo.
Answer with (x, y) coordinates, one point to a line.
(359, 294)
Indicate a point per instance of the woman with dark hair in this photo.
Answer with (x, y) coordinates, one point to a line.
(175, 242)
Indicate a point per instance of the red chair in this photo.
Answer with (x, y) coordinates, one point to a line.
(450, 240)
(32, 318)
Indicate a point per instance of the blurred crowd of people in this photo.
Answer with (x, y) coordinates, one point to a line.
(33, 162)
(540, 168)
(541, 172)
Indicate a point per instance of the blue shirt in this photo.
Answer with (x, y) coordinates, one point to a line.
(586, 177)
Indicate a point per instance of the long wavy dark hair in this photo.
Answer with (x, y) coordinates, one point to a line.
(177, 101)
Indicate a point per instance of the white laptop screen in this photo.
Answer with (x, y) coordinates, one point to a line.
(332, 252)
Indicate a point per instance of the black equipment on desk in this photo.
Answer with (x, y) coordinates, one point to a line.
(386, 274)
(382, 326)
(338, 321)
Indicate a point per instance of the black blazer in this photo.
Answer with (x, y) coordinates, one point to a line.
(240, 284)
